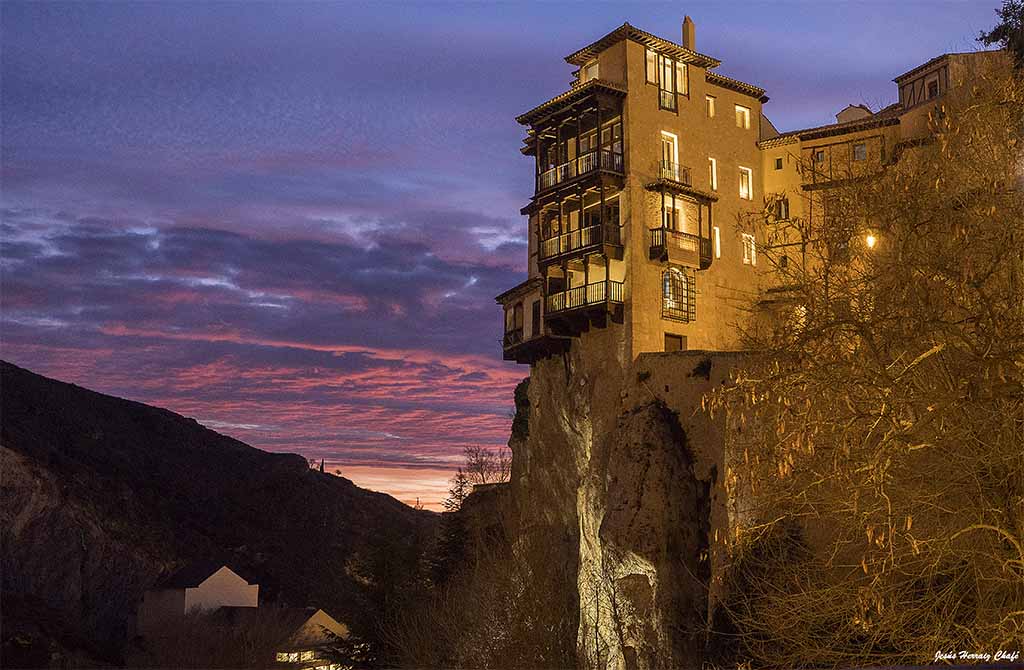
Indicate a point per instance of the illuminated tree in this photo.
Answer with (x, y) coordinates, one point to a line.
(877, 475)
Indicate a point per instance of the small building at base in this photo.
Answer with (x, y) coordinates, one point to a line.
(197, 586)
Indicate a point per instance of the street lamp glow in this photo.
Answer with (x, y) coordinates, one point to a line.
(871, 241)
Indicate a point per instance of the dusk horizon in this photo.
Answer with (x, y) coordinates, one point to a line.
(290, 222)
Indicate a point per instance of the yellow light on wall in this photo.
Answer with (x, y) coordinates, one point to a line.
(871, 241)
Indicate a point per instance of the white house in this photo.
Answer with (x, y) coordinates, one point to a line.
(197, 586)
(304, 633)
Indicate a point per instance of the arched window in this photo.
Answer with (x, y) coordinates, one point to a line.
(677, 295)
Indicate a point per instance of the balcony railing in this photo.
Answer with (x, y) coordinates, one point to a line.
(578, 239)
(580, 165)
(675, 172)
(585, 296)
(685, 248)
(663, 239)
(512, 338)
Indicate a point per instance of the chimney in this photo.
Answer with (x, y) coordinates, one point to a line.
(689, 34)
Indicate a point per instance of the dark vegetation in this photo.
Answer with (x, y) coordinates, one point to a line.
(101, 496)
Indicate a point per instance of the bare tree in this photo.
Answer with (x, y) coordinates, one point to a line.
(877, 473)
(485, 466)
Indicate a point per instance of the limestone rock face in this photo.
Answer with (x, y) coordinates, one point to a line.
(656, 518)
(619, 466)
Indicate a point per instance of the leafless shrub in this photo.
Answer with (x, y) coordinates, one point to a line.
(878, 471)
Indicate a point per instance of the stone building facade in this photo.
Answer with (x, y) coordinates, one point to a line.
(658, 180)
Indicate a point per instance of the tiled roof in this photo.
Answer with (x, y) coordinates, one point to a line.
(736, 85)
(626, 31)
(886, 117)
(523, 287)
(573, 94)
(680, 187)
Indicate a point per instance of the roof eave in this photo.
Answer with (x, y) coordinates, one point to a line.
(594, 85)
(627, 31)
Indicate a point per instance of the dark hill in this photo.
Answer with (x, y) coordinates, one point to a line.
(100, 497)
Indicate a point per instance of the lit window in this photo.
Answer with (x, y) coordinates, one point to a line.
(749, 250)
(282, 656)
(742, 117)
(782, 209)
(667, 83)
(589, 71)
(746, 183)
(860, 152)
(306, 655)
(669, 156)
(652, 67)
(709, 106)
(677, 295)
(778, 163)
(718, 241)
(713, 173)
(682, 79)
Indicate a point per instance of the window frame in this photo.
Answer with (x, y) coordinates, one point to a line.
(667, 66)
(749, 174)
(658, 66)
(651, 62)
(778, 162)
(717, 240)
(743, 112)
(864, 147)
(680, 338)
(749, 249)
(713, 173)
(709, 106)
(678, 294)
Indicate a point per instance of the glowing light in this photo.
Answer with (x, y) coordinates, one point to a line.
(871, 241)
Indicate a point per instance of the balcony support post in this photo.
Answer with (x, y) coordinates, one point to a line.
(579, 223)
(663, 220)
(558, 201)
(540, 159)
(579, 133)
(607, 279)
(600, 138)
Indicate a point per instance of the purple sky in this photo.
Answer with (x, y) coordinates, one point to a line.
(290, 220)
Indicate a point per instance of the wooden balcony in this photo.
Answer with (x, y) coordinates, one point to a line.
(675, 172)
(680, 248)
(573, 311)
(577, 242)
(580, 167)
(529, 347)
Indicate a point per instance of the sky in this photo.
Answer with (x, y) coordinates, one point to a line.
(289, 220)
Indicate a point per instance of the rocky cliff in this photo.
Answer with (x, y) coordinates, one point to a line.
(619, 463)
(100, 496)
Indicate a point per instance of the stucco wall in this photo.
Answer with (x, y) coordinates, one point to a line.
(725, 289)
(224, 588)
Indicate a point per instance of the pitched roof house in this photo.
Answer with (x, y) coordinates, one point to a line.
(196, 586)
